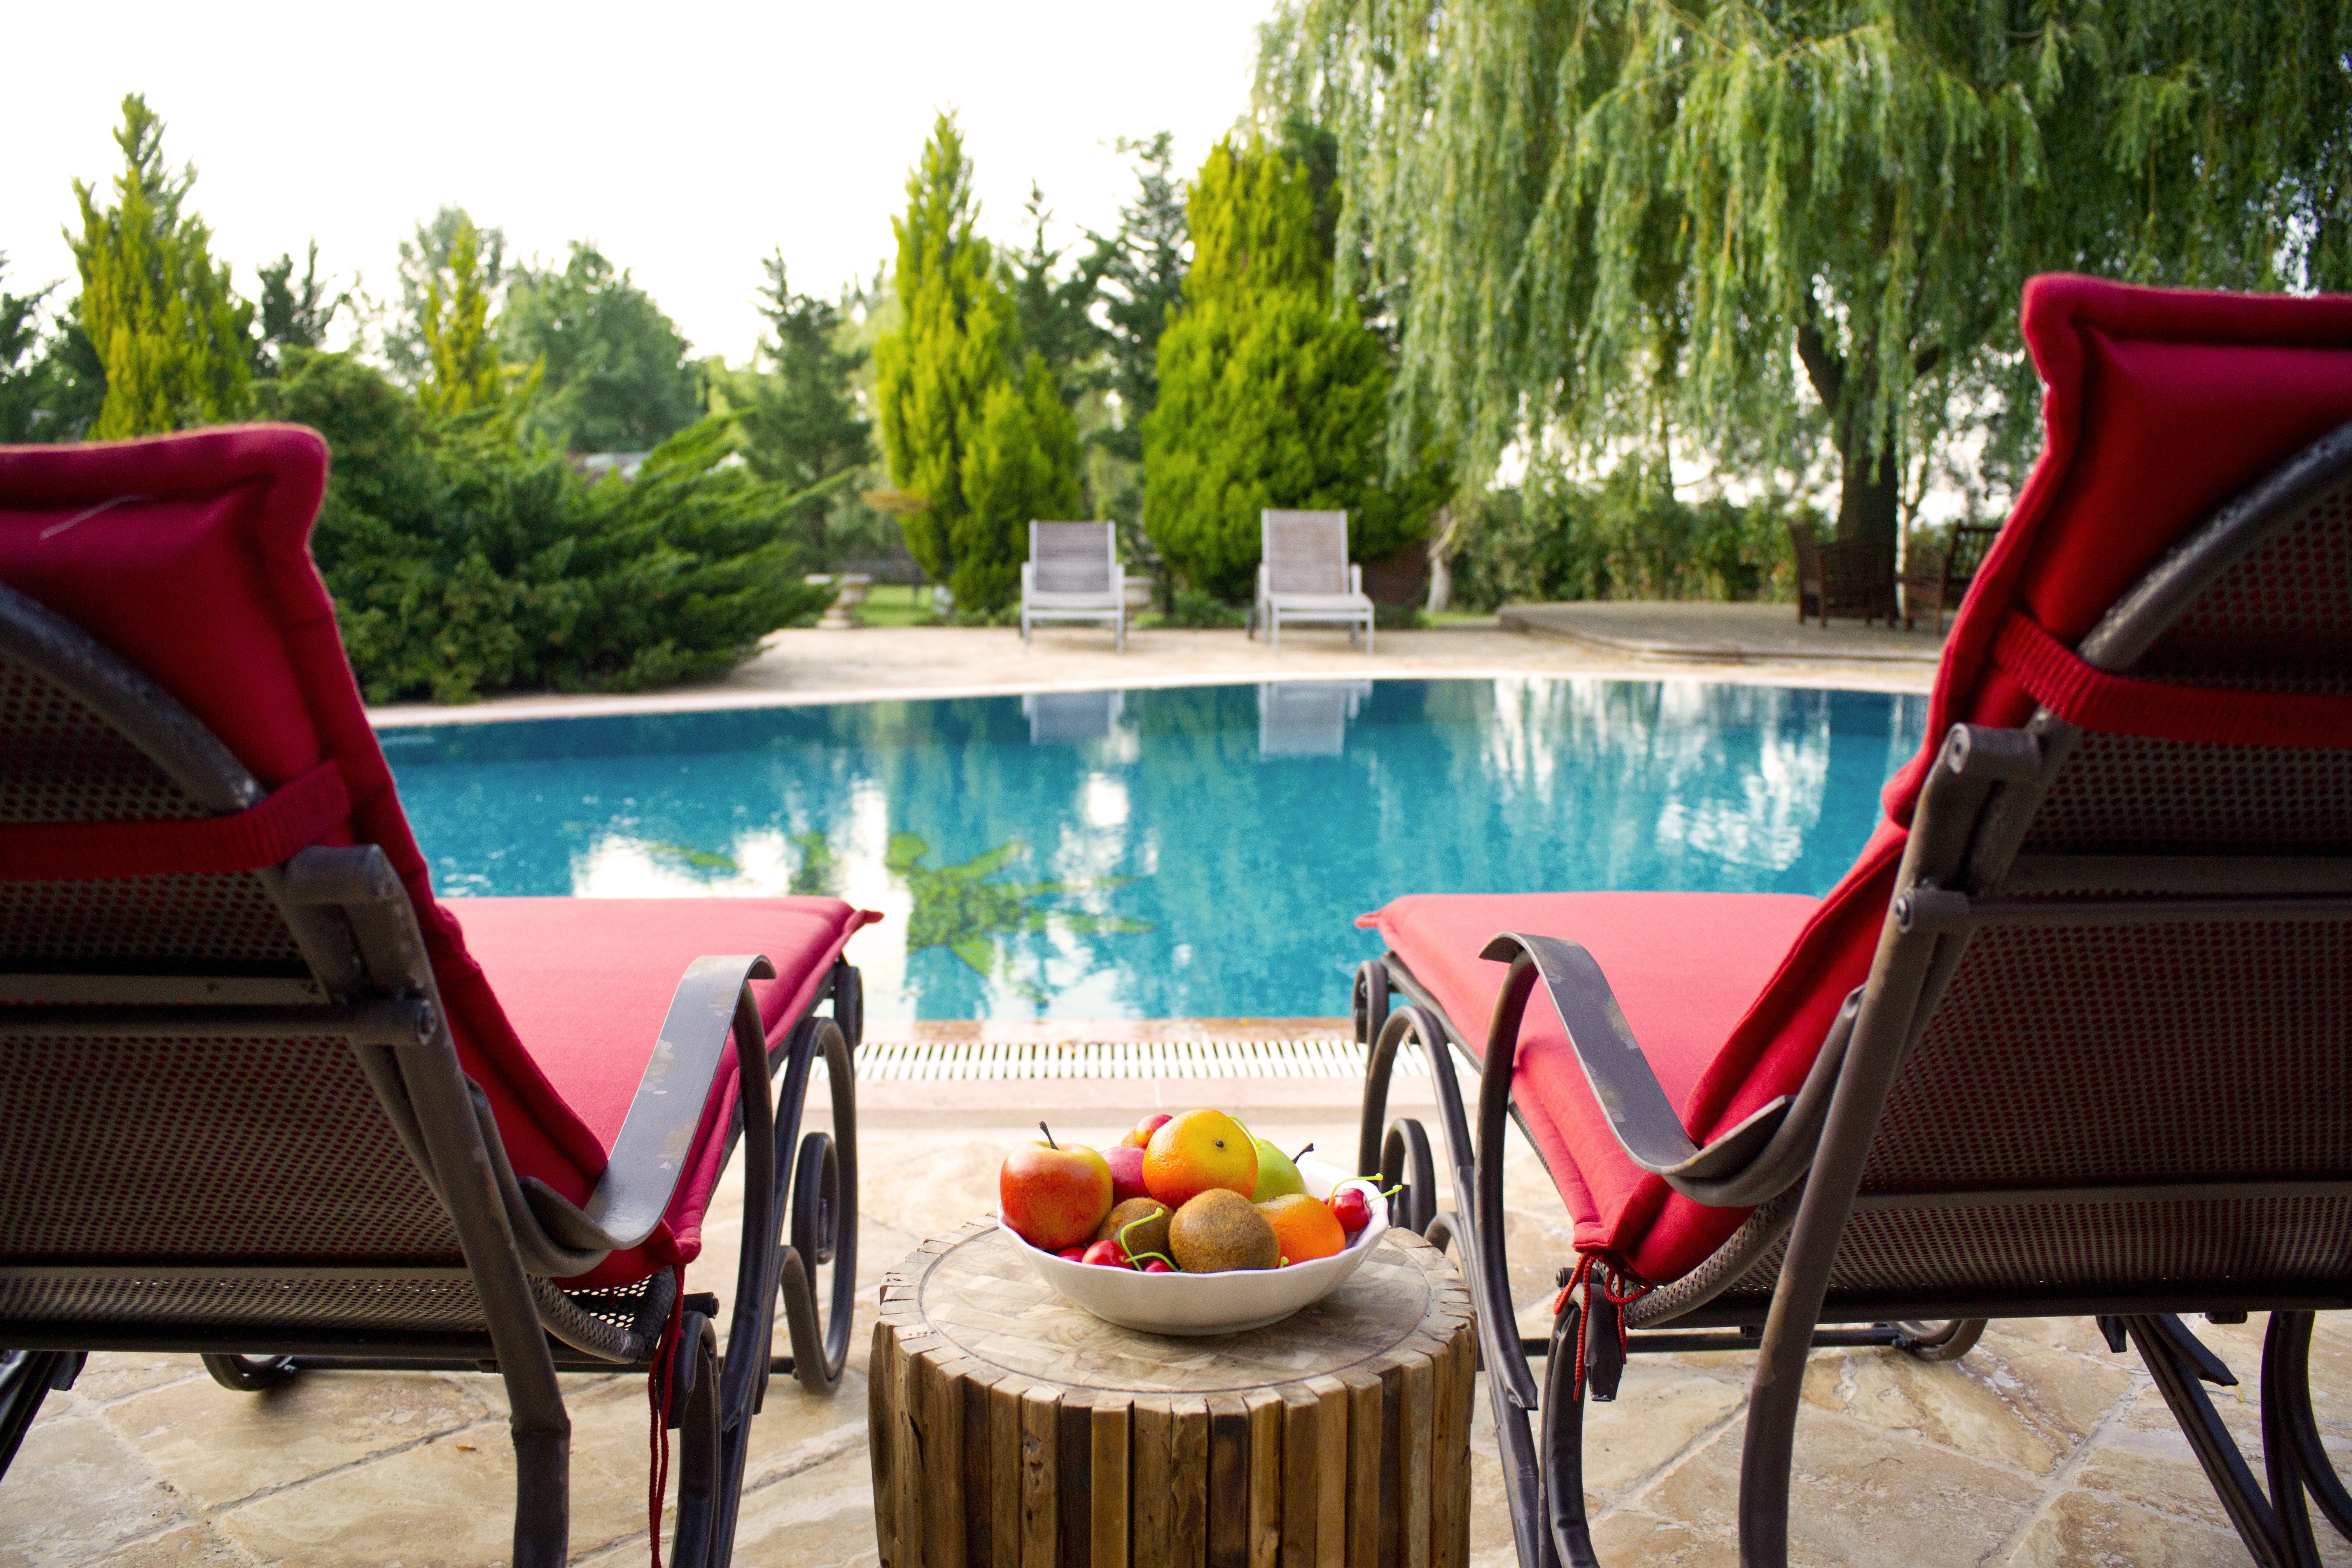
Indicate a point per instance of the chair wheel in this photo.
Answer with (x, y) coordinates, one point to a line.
(248, 1374)
(1946, 1341)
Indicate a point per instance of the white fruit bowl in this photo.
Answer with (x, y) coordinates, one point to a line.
(1220, 1303)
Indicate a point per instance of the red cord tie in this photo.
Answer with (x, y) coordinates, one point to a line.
(657, 1395)
(1620, 1287)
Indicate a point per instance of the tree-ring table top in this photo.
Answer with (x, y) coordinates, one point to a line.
(971, 1289)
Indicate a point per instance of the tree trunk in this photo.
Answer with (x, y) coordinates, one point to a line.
(1869, 485)
(1870, 491)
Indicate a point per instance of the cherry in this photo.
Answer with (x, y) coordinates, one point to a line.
(1075, 1253)
(1157, 1266)
(1108, 1253)
(1351, 1208)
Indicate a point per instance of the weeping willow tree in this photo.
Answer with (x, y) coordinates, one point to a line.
(1600, 219)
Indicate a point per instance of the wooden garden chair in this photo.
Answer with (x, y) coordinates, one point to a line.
(2073, 1036)
(264, 1099)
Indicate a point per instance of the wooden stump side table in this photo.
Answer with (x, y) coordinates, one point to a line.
(1010, 1429)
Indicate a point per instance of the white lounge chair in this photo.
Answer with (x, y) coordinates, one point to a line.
(1307, 718)
(1305, 576)
(1072, 575)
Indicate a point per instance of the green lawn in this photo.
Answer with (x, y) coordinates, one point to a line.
(896, 605)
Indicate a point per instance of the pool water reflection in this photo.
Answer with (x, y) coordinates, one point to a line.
(1197, 852)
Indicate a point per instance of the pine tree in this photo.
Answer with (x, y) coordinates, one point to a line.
(1143, 277)
(25, 373)
(802, 427)
(958, 331)
(293, 315)
(1057, 313)
(1271, 393)
(171, 339)
(462, 353)
(1597, 212)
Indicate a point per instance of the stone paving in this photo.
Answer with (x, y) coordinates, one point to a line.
(2040, 1447)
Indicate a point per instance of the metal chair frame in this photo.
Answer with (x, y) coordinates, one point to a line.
(1799, 1162)
(371, 983)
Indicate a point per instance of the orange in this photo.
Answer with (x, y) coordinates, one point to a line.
(1196, 1151)
(1305, 1226)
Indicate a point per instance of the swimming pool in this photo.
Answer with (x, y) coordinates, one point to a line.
(1188, 852)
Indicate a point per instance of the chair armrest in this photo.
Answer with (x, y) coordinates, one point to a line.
(1028, 569)
(1355, 578)
(1623, 1084)
(712, 1006)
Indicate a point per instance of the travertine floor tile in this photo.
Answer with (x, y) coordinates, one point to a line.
(822, 1517)
(221, 1447)
(1990, 1403)
(2082, 1529)
(189, 1546)
(1861, 1495)
(77, 1492)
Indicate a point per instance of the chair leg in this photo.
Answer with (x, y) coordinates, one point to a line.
(2181, 1366)
(823, 1216)
(2290, 1429)
(250, 1375)
(1563, 1448)
(704, 1535)
(26, 1378)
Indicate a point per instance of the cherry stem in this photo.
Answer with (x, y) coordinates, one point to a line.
(1049, 1136)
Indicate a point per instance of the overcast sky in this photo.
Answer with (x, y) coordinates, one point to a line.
(688, 143)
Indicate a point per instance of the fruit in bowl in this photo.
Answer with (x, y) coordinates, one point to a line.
(1194, 1253)
(1053, 1195)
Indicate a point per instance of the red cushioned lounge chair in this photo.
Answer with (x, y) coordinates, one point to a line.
(261, 1097)
(2073, 1035)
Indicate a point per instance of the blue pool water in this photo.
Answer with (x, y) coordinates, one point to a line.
(1197, 852)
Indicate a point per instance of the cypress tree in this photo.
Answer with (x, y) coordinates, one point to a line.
(171, 339)
(1144, 273)
(1021, 464)
(1271, 391)
(463, 373)
(25, 374)
(933, 378)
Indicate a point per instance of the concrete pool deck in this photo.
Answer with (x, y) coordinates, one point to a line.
(809, 665)
(2037, 1448)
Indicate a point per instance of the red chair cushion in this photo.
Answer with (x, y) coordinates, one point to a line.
(2159, 406)
(587, 982)
(189, 555)
(1684, 966)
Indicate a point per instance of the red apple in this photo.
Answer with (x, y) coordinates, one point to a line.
(1053, 1195)
(1142, 1136)
(1126, 1163)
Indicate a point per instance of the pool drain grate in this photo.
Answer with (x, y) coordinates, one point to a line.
(1327, 1056)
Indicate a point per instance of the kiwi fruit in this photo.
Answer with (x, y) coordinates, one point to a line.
(1221, 1230)
(1152, 1235)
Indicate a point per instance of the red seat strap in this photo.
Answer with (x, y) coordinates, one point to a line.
(2119, 705)
(295, 815)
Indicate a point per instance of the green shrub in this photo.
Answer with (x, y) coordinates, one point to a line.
(463, 562)
(1198, 609)
(1629, 538)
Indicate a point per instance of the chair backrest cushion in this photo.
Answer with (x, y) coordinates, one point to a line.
(1305, 552)
(2159, 406)
(188, 555)
(1072, 557)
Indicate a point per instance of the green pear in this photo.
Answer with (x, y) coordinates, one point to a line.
(1276, 1173)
